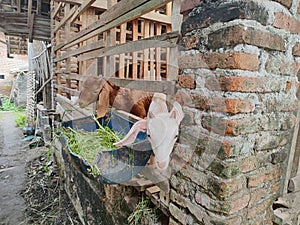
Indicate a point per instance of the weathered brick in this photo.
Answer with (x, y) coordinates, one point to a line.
(296, 49)
(239, 34)
(231, 127)
(276, 103)
(190, 42)
(235, 83)
(224, 169)
(269, 175)
(223, 189)
(281, 65)
(286, 3)
(260, 209)
(235, 147)
(214, 60)
(228, 105)
(251, 163)
(186, 81)
(268, 140)
(229, 207)
(286, 22)
(212, 12)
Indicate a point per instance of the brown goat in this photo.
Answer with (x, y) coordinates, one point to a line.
(110, 95)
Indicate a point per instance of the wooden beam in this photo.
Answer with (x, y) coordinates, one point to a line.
(99, 4)
(89, 47)
(164, 41)
(56, 10)
(30, 31)
(65, 19)
(85, 5)
(167, 87)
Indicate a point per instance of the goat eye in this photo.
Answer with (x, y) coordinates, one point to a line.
(176, 136)
(148, 135)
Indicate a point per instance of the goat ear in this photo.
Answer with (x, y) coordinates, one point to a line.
(141, 125)
(103, 101)
(177, 112)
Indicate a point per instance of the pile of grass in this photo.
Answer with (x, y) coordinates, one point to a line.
(89, 144)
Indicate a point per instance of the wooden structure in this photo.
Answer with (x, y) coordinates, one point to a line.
(128, 43)
(27, 19)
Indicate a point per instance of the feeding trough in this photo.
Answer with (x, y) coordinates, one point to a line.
(116, 165)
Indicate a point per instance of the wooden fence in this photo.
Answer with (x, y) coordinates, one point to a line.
(128, 42)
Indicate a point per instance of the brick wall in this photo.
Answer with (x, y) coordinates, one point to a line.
(18, 61)
(238, 86)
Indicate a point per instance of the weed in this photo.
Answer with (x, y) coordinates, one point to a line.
(7, 105)
(20, 120)
(142, 211)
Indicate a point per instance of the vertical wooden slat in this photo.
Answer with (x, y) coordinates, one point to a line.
(67, 36)
(174, 52)
(158, 54)
(122, 56)
(152, 52)
(134, 54)
(146, 51)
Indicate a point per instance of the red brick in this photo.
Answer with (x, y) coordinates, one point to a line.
(296, 49)
(238, 84)
(260, 178)
(213, 60)
(186, 81)
(191, 42)
(286, 3)
(238, 34)
(287, 23)
(228, 105)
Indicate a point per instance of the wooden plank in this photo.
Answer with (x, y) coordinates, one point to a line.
(164, 41)
(67, 90)
(84, 49)
(30, 30)
(287, 175)
(100, 26)
(134, 54)
(67, 104)
(56, 10)
(100, 4)
(122, 55)
(158, 54)
(85, 5)
(66, 18)
(152, 54)
(167, 87)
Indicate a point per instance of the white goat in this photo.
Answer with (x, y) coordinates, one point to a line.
(162, 129)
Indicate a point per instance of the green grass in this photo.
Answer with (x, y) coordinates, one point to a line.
(88, 144)
(142, 211)
(9, 106)
(20, 120)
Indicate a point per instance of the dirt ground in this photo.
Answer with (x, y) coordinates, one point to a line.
(31, 191)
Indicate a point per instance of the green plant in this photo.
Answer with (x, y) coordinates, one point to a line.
(7, 105)
(142, 211)
(20, 120)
